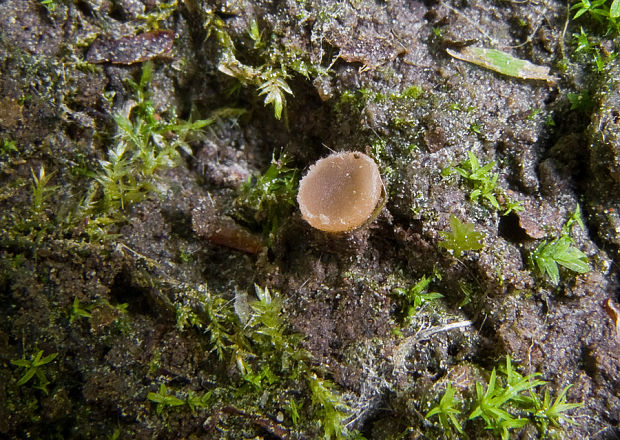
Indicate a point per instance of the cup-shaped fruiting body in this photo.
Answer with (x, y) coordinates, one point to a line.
(341, 192)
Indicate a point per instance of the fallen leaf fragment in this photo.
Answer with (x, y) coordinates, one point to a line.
(502, 62)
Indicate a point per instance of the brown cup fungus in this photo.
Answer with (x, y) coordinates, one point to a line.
(341, 192)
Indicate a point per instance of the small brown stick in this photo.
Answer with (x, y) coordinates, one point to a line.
(222, 230)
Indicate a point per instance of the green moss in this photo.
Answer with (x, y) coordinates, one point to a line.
(161, 12)
(77, 311)
(8, 147)
(351, 101)
(412, 92)
(506, 402)
(587, 51)
(33, 369)
(605, 12)
(549, 255)
(461, 238)
(265, 201)
(50, 5)
(447, 411)
(164, 399)
(268, 65)
(129, 174)
(411, 299)
(580, 101)
(167, 400)
(483, 183)
(269, 359)
(146, 145)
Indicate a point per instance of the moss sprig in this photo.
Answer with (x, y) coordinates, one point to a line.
(507, 402)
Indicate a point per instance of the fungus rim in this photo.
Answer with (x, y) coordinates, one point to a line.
(377, 191)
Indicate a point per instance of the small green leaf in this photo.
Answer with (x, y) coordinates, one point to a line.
(8, 146)
(411, 299)
(46, 360)
(255, 34)
(147, 75)
(614, 9)
(154, 397)
(559, 251)
(462, 238)
(163, 399)
(293, 409)
(77, 311)
(274, 88)
(484, 184)
(27, 376)
(554, 412)
(21, 363)
(446, 411)
(502, 62)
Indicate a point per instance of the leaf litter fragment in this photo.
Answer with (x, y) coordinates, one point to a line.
(502, 62)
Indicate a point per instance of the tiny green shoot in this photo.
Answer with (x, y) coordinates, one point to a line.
(274, 87)
(195, 400)
(462, 237)
(50, 5)
(507, 401)
(580, 101)
(475, 127)
(270, 78)
(164, 400)
(256, 35)
(294, 410)
(33, 369)
(548, 412)
(606, 12)
(264, 201)
(332, 417)
(561, 252)
(412, 298)
(548, 255)
(492, 404)
(77, 311)
(483, 183)
(8, 146)
(41, 190)
(447, 410)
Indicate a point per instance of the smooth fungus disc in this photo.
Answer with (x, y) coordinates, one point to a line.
(340, 192)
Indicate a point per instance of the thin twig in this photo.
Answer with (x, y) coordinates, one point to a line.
(460, 324)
